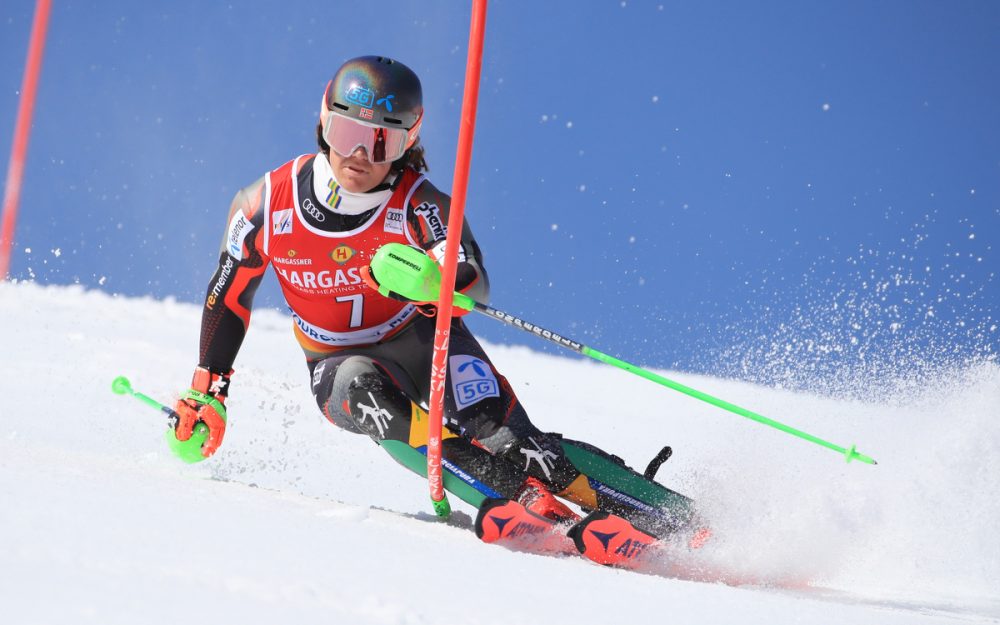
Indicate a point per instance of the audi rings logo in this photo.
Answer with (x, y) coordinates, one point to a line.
(310, 208)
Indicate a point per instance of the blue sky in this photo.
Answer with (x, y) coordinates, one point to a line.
(775, 190)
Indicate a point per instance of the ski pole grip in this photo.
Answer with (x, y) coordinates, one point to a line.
(205, 398)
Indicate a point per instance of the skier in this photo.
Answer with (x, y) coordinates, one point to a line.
(318, 220)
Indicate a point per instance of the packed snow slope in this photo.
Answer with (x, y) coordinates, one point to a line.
(295, 521)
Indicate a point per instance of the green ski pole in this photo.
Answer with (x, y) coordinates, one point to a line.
(122, 386)
(849, 454)
(409, 272)
(190, 450)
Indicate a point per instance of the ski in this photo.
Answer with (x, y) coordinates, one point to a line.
(610, 540)
(508, 523)
(601, 537)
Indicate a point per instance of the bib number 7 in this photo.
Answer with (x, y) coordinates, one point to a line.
(357, 303)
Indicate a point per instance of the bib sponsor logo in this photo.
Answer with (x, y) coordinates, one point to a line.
(306, 280)
(292, 261)
(431, 215)
(472, 380)
(282, 222)
(316, 333)
(239, 228)
(395, 220)
(342, 254)
(310, 208)
(357, 337)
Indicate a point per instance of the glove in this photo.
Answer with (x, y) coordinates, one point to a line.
(201, 412)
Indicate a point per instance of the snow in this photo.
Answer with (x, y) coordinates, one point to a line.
(295, 521)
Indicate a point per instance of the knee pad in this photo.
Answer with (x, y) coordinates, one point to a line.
(378, 407)
(356, 393)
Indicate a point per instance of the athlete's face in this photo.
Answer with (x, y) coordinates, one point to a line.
(356, 173)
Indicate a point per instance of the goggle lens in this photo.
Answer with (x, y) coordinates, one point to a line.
(345, 135)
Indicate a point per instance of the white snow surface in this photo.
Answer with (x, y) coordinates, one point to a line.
(295, 521)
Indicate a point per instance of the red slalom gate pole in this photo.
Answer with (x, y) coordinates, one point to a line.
(22, 128)
(442, 333)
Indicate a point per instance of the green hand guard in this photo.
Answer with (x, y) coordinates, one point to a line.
(402, 270)
(190, 450)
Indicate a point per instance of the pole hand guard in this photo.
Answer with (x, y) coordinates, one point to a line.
(403, 272)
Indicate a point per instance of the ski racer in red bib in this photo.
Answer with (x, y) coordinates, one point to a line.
(317, 220)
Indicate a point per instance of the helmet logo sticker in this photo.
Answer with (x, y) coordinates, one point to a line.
(366, 113)
(385, 100)
(360, 95)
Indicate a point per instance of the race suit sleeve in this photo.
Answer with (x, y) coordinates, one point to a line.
(427, 218)
(226, 314)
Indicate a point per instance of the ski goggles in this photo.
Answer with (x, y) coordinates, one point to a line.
(383, 145)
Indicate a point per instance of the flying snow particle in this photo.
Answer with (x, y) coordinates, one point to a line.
(102, 280)
(555, 227)
(583, 188)
(27, 250)
(826, 107)
(656, 99)
(57, 252)
(972, 236)
(569, 124)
